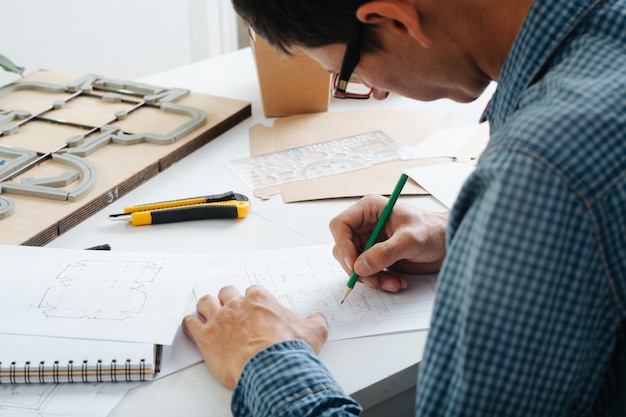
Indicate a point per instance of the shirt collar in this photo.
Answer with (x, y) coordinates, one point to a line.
(546, 26)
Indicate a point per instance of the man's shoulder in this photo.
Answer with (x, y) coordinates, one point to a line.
(579, 137)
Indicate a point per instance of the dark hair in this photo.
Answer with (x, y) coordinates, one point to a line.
(306, 23)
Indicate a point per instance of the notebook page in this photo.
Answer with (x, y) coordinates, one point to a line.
(33, 356)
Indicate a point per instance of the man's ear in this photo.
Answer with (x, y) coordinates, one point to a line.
(402, 16)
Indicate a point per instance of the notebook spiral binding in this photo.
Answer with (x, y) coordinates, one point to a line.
(128, 372)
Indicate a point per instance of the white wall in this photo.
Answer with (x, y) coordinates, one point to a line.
(125, 39)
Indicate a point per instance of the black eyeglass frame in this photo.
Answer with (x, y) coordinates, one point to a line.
(351, 59)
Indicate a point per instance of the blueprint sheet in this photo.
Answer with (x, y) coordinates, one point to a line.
(108, 295)
(55, 400)
(306, 280)
(309, 279)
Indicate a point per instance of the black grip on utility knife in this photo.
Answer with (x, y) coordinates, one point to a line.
(201, 212)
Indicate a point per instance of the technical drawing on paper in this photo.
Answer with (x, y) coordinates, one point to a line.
(303, 286)
(18, 399)
(97, 289)
(56, 400)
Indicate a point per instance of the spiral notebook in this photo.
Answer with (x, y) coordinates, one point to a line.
(72, 315)
(43, 359)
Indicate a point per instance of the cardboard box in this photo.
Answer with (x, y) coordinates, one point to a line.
(290, 85)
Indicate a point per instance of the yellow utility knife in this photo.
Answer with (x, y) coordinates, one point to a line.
(229, 205)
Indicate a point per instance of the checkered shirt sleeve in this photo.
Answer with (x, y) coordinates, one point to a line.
(287, 379)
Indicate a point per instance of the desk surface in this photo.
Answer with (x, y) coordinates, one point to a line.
(193, 391)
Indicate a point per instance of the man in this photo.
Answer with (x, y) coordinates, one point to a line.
(529, 318)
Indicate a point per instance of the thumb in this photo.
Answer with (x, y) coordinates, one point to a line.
(374, 260)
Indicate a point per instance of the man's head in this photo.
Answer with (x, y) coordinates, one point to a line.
(422, 49)
(286, 24)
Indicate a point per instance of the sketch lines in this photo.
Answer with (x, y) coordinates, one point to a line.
(99, 289)
(13, 399)
(317, 285)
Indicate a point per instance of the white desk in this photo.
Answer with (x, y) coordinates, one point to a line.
(373, 368)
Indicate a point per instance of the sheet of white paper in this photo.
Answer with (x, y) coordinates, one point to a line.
(444, 143)
(442, 181)
(310, 280)
(67, 400)
(182, 353)
(110, 295)
(90, 400)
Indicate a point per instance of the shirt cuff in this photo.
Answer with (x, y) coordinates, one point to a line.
(288, 378)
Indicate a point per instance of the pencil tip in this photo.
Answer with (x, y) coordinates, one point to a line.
(345, 294)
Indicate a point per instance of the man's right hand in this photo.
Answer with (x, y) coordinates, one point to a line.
(412, 241)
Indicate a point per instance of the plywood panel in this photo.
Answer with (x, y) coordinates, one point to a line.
(117, 168)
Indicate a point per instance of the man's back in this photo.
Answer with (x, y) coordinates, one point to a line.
(532, 298)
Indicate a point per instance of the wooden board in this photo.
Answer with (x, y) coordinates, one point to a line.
(118, 168)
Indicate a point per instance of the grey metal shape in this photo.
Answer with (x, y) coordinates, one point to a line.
(7, 205)
(82, 145)
(87, 181)
(19, 159)
(33, 85)
(79, 146)
(62, 180)
(7, 126)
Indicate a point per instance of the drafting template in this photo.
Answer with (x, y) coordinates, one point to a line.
(309, 280)
(317, 160)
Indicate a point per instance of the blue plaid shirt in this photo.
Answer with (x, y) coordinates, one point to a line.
(530, 313)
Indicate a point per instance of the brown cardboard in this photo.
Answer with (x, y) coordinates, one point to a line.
(407, 127)
(294, 84)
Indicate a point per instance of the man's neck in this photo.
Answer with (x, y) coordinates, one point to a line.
(484, 28)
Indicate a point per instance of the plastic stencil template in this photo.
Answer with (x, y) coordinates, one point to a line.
(317, 160)
(135, 297)
(309, 280)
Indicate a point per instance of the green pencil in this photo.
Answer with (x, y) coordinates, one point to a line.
(377, 229)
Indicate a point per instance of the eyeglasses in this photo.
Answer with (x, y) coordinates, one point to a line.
(344, 88)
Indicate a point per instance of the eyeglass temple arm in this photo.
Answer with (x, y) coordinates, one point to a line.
(350, 60)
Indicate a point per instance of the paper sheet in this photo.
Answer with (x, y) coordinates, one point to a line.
(310, 280)
(108, 295)
(182, 353)
(448, 143)
(67, 400)
(90, 400)
(442, 181)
